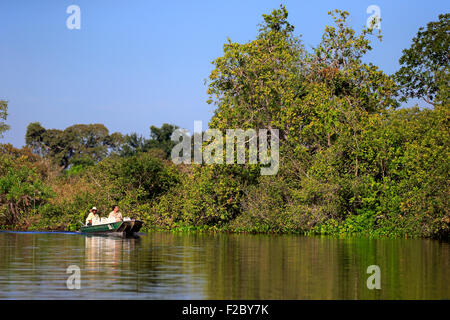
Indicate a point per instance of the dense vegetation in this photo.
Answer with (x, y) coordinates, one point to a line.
(352, 160)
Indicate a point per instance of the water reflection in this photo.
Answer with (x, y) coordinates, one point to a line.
(109, 264)
(129, 268)
(199, 266)
(107, 252)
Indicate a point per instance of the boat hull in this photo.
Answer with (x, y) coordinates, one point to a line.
(121, 228)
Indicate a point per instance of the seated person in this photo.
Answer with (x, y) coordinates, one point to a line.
(92, 217)
(115, 214)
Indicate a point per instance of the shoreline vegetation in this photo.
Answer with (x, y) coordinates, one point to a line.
(353, 161)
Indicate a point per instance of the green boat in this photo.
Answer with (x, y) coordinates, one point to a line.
(127, 228)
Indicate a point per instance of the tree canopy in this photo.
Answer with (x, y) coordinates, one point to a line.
(424, 68)
(85, 144)
(90, 142)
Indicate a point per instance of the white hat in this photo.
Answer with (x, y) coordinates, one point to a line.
(94, 208)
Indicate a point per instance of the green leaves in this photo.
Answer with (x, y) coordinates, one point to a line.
(276, 22)
(348, 157)
(21, 188)
(253, 82)
(74, 144)
(351, 162)
(3, 114)
(425, 65)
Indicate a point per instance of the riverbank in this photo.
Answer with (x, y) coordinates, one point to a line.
(349, 160)
(341, 232)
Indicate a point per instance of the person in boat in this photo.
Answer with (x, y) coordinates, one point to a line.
(93, 216)
(115, 214)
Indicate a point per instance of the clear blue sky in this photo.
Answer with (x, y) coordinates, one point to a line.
(139, 63)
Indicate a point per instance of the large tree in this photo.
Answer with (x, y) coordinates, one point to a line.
(254, 81)
(160, 138)
(81, 143)
(312, 97)
(425, 65)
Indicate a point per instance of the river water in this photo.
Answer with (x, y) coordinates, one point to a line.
(204, 266)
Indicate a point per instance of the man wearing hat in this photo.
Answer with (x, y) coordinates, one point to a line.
(93, 216)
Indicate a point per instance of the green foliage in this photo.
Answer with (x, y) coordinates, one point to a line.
(21, 189)
(252, 83)
(210, 195)
(160, 138)
(425, 65)
(77, 143)
(132, 145)
(146, 173)
(3, 114)
(351, 161)
(348, 165)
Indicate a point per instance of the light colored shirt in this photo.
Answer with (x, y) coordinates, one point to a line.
(93, 217)
(115, 215)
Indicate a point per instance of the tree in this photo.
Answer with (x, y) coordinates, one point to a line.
(34, 138)
(132, 144)
(253, 82)
(21, 186)
(160, 138)
(81, 143)
(87, 140)
(425, 65)
(312, 97)
(341, 91)
(323, 101)
(3, 114)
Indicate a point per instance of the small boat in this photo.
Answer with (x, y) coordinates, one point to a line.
(127, 228)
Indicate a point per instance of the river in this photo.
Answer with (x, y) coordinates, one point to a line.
(219, 266)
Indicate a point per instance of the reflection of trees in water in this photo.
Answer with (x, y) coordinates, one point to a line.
(197, 266)
(227, 266)
(168, 266)
(32, 263)
(158, 265)
(290, 267)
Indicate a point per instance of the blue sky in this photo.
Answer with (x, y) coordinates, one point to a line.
(139, 63)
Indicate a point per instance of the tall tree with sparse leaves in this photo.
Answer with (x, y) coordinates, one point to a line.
(3, 114)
